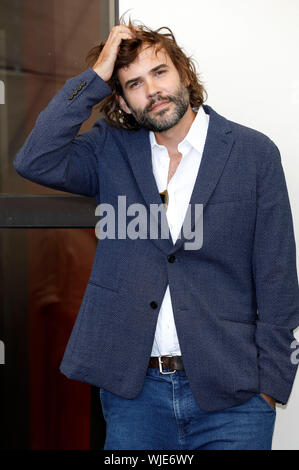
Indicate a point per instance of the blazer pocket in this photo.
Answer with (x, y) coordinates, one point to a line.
(105, 273)
(243, 322)
(240, 351)
(244, 195)
(105, 283)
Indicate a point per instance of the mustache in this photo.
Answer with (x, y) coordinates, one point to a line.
(160, 99)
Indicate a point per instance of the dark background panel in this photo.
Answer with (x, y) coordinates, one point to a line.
(47, 238)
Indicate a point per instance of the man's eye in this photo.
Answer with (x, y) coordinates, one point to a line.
(159, 72)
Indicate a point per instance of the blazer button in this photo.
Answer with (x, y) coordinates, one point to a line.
(154, 304)
(171, 258)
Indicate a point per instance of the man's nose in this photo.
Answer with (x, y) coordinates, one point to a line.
(152, 89)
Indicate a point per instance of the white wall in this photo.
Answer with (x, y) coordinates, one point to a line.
(247, 54)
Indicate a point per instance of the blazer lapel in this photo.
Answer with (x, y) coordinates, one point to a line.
(140, 157)
(217, 149)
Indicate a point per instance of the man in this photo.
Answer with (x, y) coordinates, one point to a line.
(190, 344)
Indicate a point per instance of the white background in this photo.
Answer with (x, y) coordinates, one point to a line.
(247, 55)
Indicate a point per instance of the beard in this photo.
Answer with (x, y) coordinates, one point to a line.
(158, 122)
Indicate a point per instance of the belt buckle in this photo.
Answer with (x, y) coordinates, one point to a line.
(161, 362)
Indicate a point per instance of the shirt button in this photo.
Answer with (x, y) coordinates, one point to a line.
(154, 304)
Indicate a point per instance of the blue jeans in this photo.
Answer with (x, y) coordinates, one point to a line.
(166, 416)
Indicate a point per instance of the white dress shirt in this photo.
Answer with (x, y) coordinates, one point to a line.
(179, 189)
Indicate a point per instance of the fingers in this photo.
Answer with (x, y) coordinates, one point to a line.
(106, 60)
(121, 29)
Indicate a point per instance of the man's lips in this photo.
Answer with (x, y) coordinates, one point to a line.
(158, 105)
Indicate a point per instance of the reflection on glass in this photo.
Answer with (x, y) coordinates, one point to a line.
(46, 272)
(42, 44)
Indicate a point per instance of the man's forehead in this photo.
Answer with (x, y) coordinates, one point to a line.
(148, 56)
(148, 51)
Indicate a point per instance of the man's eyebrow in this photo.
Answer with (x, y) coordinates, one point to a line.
(152, 70)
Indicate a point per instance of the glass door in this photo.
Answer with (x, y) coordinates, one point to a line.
(47, 237)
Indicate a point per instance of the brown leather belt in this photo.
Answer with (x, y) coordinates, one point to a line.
(172, 363)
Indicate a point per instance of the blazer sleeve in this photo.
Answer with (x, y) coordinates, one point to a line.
(276, 281)
(53, 155)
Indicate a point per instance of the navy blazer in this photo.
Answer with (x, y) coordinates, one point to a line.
(235, 299)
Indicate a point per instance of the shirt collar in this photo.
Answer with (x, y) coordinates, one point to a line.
(196, 135)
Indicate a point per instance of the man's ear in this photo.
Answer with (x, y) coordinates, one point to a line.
(123, 104)
(187, 82)
(186, 79)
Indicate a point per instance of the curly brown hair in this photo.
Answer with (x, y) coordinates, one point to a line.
(128, 52)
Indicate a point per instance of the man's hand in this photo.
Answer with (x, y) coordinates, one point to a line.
(269, 399)
(105, 63)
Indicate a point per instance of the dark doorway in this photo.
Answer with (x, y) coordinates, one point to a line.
(47, 238)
